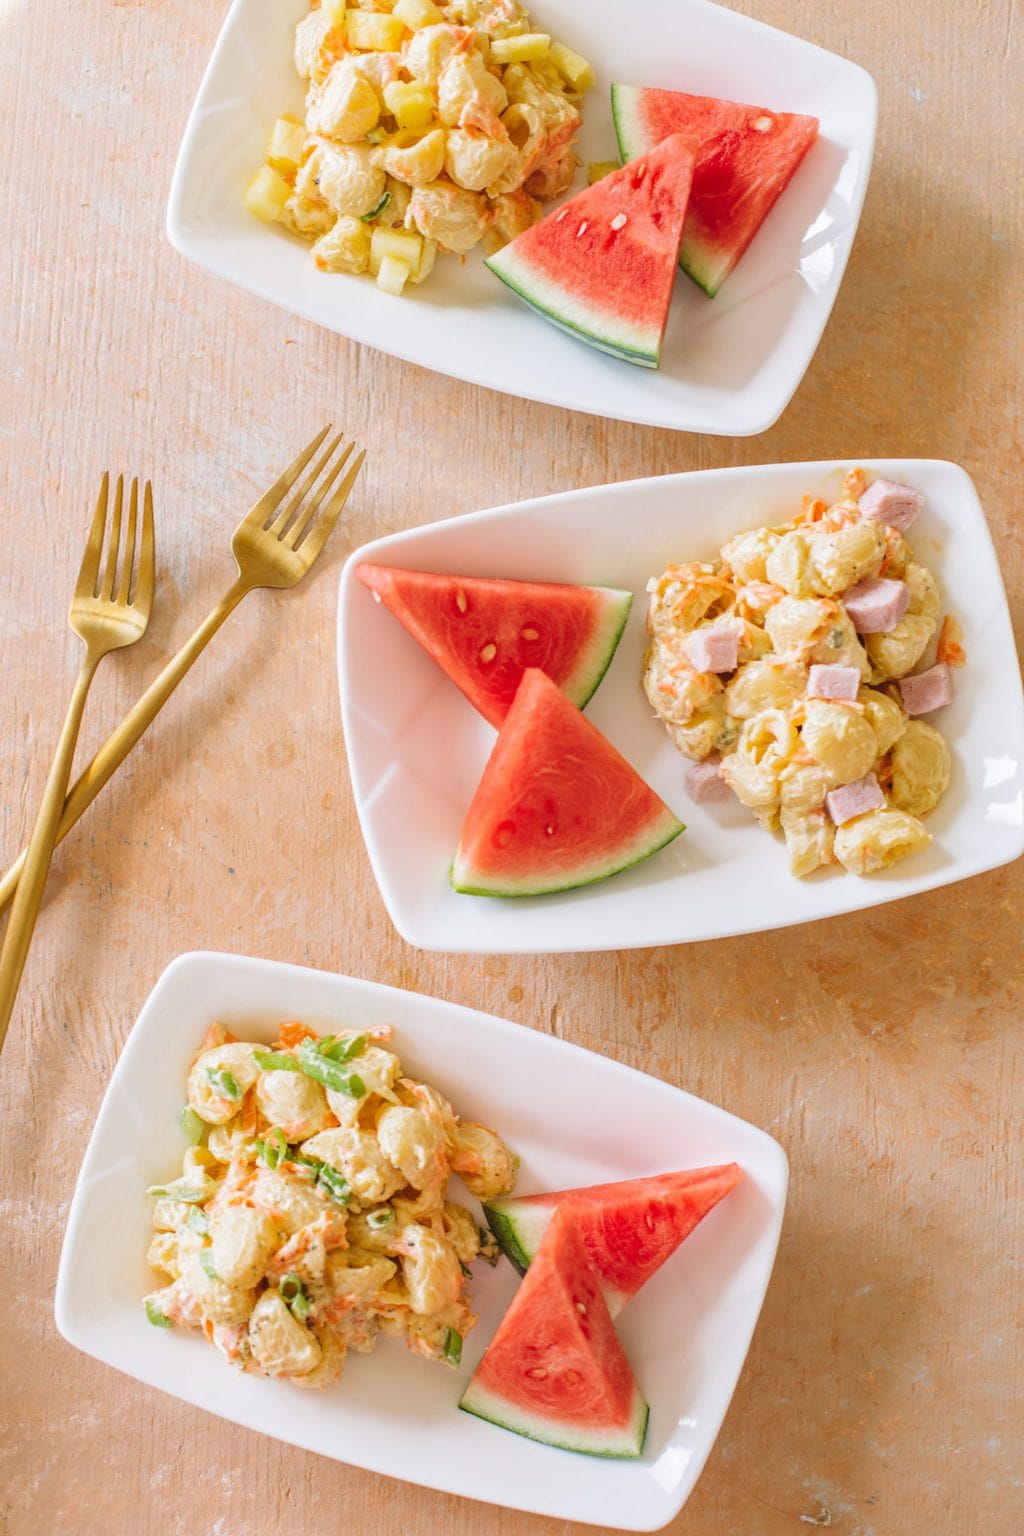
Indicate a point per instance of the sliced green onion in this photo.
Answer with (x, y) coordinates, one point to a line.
(192, 1126)
(181, 1189)
(453, 1346)
(273, 1149)
(198, 1220)
(275, 1061)
(206, 1262)
(156, 1317)
(378, 1219)
(366, 217)
(467, 1272)
(335, 1183)
(331, 1074)
(835, 639)
(341, 1047)
(224, 1082)
(293, 1294)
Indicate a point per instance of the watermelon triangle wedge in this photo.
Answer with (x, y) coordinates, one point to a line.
(557, 806)
(746, 158)
(627, 1229)
(555, 1371)
(484, 633)
(602, 265)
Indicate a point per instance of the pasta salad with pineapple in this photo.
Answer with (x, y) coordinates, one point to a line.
(311, 1215)
(428, 126)
(789, 672)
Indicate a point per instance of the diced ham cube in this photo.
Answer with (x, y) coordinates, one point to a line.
(833, 683)
(886, 501)
(927, 690)
(703, 782)
(851, 800)
(715, 649)
(876, 604)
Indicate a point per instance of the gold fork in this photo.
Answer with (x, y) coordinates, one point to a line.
(274, 546)
(108, 611)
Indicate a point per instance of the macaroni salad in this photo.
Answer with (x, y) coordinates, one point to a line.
(311, 1214)
(427, 126)
(785, 672)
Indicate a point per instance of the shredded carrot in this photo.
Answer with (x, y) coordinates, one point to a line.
(854, 484)
(950, 648)
(247, 1114)
(217, 1034)
(292, 1033)
(812, 511)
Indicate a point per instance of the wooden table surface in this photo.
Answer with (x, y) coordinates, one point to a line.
(882, 1395)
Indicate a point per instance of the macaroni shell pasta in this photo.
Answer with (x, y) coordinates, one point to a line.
(885, 717)
(765, 684)
(898, 651)
(809, 840)
(921, 767)
(840, 740)
(766, 744)
(878, 840)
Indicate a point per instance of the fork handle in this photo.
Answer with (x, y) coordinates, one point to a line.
(134, 725)
(40, 848)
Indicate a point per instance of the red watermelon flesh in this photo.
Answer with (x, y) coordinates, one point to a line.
(485, 633)
(628, 1229)
(557, 805)
(555, 1371)
(602, 265)
(746, 159)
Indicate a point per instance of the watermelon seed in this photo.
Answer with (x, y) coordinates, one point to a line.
(529, 633)
(560, 216)
(582, 229)
(762, 124)
(618, 221)
(489, 652)
(538, 1373)
(376, 597)
(461, 601)
(581, 1308)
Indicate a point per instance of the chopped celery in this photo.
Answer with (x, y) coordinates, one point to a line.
(275, 1061)
(453, 1346)
(224, 1082)
(156, 1317)
(192, 1126)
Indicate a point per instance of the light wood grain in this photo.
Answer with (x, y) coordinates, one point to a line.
(884, 1386)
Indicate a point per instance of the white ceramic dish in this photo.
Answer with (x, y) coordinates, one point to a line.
(574, 1118)
(730, 364)
(416, 748)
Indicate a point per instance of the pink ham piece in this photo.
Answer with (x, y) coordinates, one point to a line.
(833, 683)
(851, 800)
(876, 604)
(927, 691)
(714, 650)
(886, 501)
(703, 782)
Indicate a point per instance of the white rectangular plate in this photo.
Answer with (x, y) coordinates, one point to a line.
(416, 748)
(573, 1117)
(730, 364)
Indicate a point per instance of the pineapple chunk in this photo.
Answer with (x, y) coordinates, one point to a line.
(287, 141)
(374, 32)
(410, 103)
(520, 50)
(392, 275)
(426, 265)
(597, 170)
(334, 10)
(266, 194)
(575, 70)
(399, 245)
(417, 13)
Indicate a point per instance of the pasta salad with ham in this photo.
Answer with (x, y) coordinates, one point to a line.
(311, 1215)
(427, 127)
(792, 674)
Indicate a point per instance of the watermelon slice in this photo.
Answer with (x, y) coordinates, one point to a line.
(557, 806)
(628, 1229)
(555, 1370)
(602, 265)
(485, 633)
(746, 158)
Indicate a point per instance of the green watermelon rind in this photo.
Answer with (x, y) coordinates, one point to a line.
(509, 1226)
(620, 1444)
(609, 627)
(634, 142)
(594, 326)
(668, 827)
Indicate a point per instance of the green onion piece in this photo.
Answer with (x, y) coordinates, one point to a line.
(453, 1346)
(181, 1189)
(467, 1272)
(331, 1074)
(273, 1149)
(198, 1220)
(378, 1219)
(293, 1294)
(366, 217)
(275, 1061)
(224, 1082)
(156, 1317)
(206, 1261)
(835, 639)
(192, 1126)
(342, 1047)
(489, 1250)
(335, 1183)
